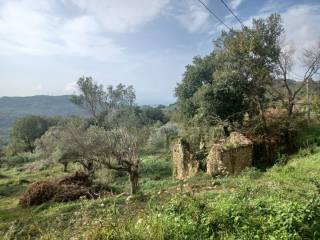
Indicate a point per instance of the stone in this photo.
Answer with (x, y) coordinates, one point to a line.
(184, 164)
(230, 156)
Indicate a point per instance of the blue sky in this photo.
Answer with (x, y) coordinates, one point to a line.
(46, 45)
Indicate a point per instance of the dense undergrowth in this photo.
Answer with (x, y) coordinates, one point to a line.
(280, 203)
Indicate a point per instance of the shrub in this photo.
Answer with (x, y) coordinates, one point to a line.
(20, 158)
(34, 166)
(156, 142)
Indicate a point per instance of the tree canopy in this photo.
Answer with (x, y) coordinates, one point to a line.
(75, 140)
(102, 103)
(27, 129)
(235, 74)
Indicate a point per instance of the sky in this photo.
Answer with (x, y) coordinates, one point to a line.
(46, 45)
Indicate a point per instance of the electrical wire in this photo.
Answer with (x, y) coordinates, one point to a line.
(212, 13)
(232, 12)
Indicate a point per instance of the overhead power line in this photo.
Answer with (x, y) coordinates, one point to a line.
(218, 18)
(233, 13)
(295, 75)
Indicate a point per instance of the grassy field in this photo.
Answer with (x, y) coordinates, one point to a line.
(155, 175)
(280, 203)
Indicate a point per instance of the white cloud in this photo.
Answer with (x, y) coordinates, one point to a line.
(271, 6)
(302, 31)
(122, 15)
(23, 26)
(194, 17)
(71, 87)
(82, 36)
(37, 28)
(234, 4)
(300, 22)
(38, 87)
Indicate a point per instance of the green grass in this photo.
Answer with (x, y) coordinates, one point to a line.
(280, 203)
(155, 172)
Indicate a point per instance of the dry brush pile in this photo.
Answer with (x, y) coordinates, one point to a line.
(68, 188)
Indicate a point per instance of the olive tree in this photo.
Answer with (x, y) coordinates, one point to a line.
(50, 147)
(68, 142)
(101, 103)
(74, 140)
(117, 149)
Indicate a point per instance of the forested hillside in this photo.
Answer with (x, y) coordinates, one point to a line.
(12, 108)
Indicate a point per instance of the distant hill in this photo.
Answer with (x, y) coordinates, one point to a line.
(12, 108)
(314, 86)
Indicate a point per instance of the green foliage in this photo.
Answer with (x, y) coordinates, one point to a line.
(155, 114)
(315, 104)
(308, 136)
(192, 218)
(101, 104)
(66, 143)
(20, 158)
(269, 208)
(74, 140)
(281, 203)
(231, 80)
(170, 131)
(161, 137)
(15, 147)
(91, 95)
(225, 100)
(26, 130)
(135, 117)
(197, 134)
(197, 74)
(156, 141)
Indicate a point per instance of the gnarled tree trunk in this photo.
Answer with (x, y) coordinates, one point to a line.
(65, 166)
(134, 178)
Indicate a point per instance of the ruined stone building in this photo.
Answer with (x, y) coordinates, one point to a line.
(230, 156)
(184, 165)
(227, 156)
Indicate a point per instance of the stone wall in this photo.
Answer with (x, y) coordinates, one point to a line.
(184, 165)
(230, 156)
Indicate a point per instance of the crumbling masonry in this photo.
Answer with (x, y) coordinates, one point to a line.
(184, 165)
(227, 156)
(230, 156)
